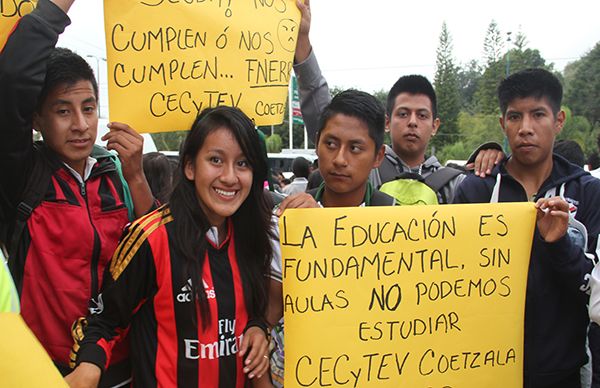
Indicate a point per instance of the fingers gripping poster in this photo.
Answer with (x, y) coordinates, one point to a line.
(10, 12)
(412, 296)
(170, 59)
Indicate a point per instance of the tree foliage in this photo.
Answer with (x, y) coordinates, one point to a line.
(446, 88)
(469, 77)
(493, 44)
(579, 129)
(498, 66)
(169, 141)
(582, 80)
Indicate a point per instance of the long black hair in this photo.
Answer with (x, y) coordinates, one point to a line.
(251, 222)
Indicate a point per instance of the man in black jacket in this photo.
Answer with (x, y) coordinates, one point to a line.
(568, 223)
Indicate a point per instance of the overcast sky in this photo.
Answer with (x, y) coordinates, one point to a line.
(369, 44)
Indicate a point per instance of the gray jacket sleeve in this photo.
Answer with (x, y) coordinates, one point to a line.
(314, 92)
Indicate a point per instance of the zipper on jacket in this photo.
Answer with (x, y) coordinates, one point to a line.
(95, 254)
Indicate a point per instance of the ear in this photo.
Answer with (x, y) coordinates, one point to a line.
(501, 121)
(387, 123)
(436, 126)
(379, 157)
(559, 122)
(189, 170)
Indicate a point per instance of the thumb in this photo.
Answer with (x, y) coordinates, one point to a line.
(244, 345)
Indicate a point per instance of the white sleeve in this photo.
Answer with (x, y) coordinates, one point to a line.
(275, 272)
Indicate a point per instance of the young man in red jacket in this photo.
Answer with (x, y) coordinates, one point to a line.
(69, 237)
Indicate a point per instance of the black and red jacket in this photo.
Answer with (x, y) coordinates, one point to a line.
(148, 293)
(70, 237)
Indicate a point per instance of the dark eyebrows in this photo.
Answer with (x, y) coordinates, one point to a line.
(328, 136)
(67, 102)
(419, 111)
(542, 109)
(357, 142)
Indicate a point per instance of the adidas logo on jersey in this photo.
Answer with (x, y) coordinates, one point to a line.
(186, 292)
(210, 292)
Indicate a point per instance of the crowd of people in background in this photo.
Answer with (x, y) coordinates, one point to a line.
(124, 267)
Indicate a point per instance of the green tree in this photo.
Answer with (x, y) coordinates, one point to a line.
(515, 59)
(169, 141)
(579, 129)
(582, 86)
(520, 40)
(493, 73)
(475, 129)
(493, 44)
(456, 151)
(381, 95)
(521, 59)
(274, 143)
(446, 88)
(469, 77)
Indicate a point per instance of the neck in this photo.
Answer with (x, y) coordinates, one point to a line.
(531, 177)
(331, 199)
(412, 161)
(79, 168)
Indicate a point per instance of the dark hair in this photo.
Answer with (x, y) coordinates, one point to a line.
(594, 160)
(64, 67)
(159, 169)
(536, 83)
(598, 141)
(361, 106)
(251, 222)
(412, 84)
(301, 167)
(571, 151)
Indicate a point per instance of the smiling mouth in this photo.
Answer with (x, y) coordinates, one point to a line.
(226, 193)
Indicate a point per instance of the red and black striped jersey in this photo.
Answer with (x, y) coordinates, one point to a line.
(148, 292)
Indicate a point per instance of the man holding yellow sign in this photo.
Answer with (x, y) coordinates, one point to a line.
(565, 246)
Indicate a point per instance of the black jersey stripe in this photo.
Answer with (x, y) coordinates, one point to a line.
(186, 320)
(226, 307)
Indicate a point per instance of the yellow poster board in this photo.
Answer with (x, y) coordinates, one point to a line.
(410, 296)
(168, 60)
(24, 361)
(10, 12)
